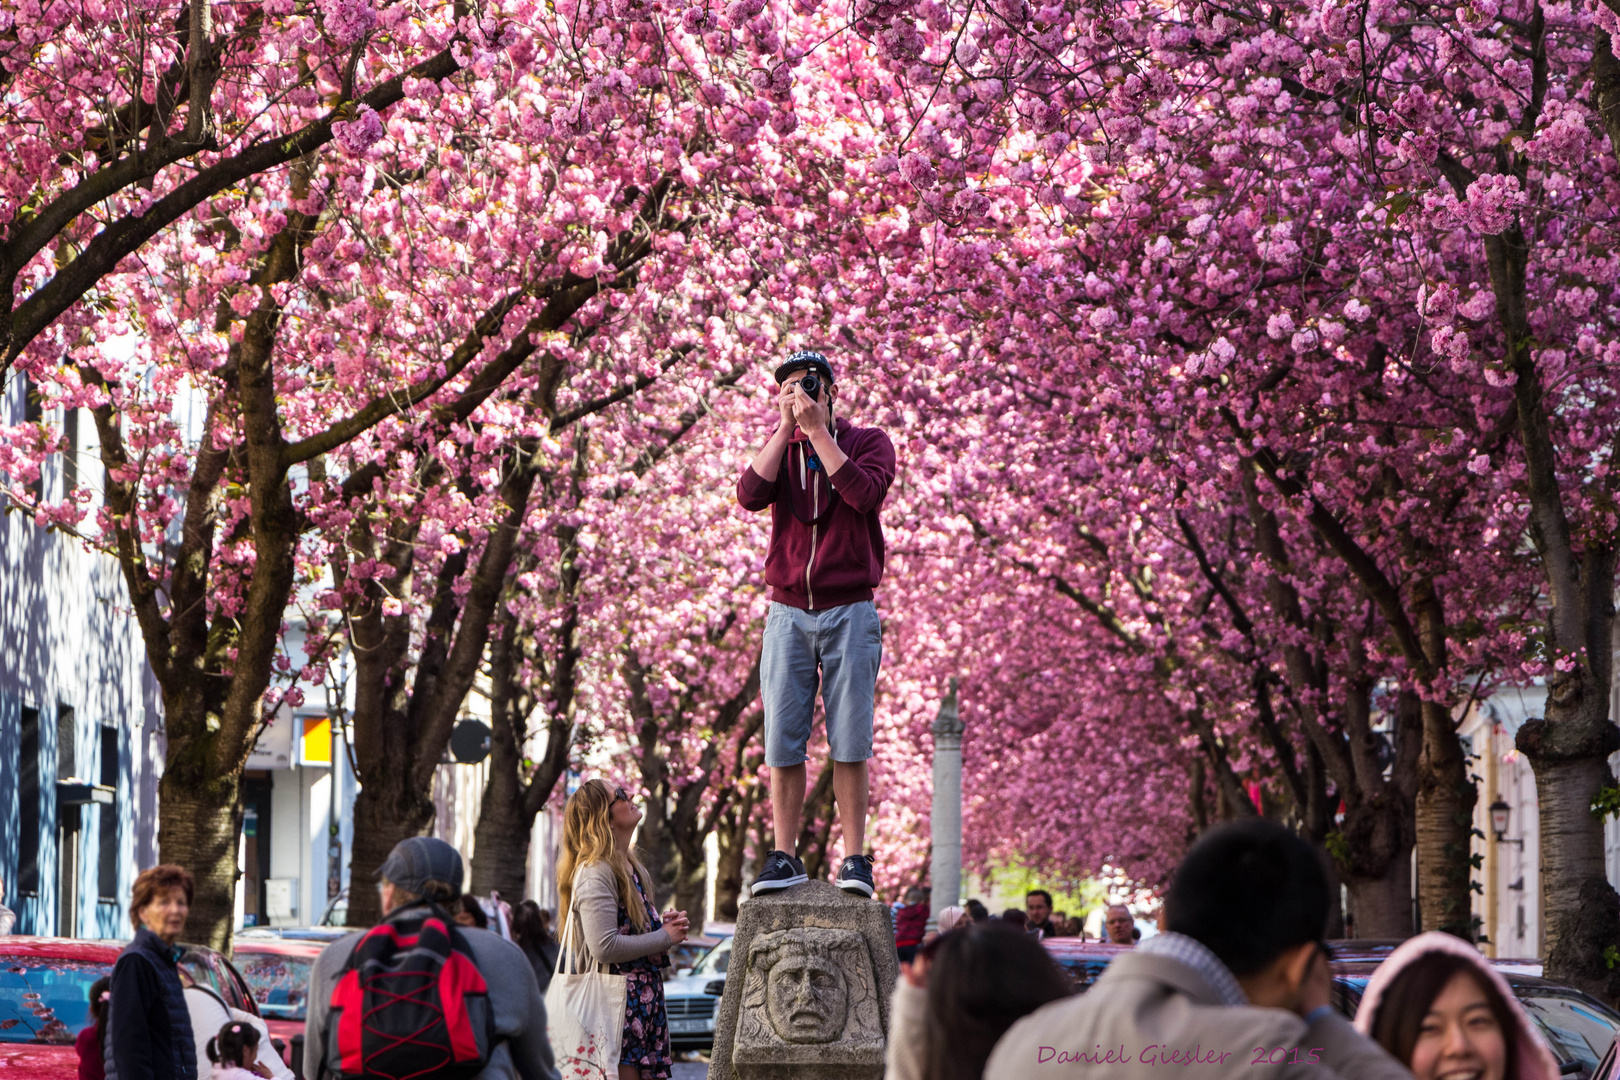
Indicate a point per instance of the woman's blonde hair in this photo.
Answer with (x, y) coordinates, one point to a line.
(588, 838)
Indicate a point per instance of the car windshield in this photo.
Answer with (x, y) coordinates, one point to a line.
(1579, 1030)
(715, 960)
(45, 1001)
(280, 984)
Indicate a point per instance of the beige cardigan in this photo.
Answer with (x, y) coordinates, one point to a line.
(596, 900)
(907, 1054)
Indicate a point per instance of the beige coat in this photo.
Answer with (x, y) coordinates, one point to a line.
(1151, 1017)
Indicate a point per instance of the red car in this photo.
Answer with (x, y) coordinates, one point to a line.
(277, 972)
(45, 998)
(45, 1002)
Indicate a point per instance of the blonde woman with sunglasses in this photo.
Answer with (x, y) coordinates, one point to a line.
(602, 882)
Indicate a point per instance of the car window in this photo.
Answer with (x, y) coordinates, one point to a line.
(1577, 1029)
(239, 996)
(280, 984)
(715, 961)
(45, 1001)
(195, 967)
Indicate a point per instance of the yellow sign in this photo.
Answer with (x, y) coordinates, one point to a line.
(317, 741)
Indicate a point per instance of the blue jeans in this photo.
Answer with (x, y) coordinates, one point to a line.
(838, 650)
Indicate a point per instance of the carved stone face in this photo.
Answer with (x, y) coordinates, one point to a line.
(805, 997)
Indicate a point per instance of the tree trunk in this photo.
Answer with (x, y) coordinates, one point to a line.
(1567, 751)
(815, 834)
(1445, 826)
(691, 883)
(501, 838)
(199, 829)
(728, 871)
(1381, 907)
(388, 809)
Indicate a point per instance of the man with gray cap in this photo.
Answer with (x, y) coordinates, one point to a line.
(825, 482)
(419, 872)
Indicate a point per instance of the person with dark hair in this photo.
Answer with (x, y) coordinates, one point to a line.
(148, 1026)
(977, 911)
(824, 481)
(531, 932)
(235, 1051)
(1038, 912)
(1238, 984)
(910, 923)
(1441, 1010)
(961, 993)
(469, 912)
(1017, 917)
(92, 1041)
(421, 879)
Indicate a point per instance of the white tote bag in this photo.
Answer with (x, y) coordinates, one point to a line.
(584, 1010)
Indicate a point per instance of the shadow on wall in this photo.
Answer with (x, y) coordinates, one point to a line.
(75, 689)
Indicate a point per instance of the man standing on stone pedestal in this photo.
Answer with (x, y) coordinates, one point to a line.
(824, 482)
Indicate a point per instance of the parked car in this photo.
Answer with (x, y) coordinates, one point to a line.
(45, 1003)
(684, 957)
(277, 972)
(1082, 961)
(45, 998)
(1579, 1028)
(693, 999)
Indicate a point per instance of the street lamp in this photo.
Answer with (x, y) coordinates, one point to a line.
(1500, 812)
(1499, 818)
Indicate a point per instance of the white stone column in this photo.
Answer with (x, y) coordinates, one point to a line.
(945, 869)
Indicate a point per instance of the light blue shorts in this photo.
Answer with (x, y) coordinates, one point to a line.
(838, 650)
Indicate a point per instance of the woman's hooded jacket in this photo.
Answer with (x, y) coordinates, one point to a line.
(1535, 1061)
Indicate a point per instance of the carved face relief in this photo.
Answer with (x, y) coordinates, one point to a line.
(806, 997)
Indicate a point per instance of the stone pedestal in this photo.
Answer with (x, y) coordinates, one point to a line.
(807, 991)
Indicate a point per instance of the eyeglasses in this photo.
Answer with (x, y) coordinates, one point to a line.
(619, 796)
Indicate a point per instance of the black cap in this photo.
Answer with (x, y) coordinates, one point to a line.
(418, 860)
(807, 358)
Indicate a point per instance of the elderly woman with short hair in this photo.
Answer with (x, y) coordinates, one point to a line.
(148, 1025)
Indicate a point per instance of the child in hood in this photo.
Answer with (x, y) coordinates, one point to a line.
(1440, 1009)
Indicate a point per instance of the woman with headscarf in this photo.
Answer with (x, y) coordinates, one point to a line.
(1442, 1011)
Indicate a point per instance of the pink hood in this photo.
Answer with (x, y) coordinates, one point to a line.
(1535, 1060)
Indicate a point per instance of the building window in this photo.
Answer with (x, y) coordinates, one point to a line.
(107, 840)
(33, 413)
(28, 805)
(70, 451)
(67, 744)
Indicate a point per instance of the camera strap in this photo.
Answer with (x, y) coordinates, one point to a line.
(813, 482)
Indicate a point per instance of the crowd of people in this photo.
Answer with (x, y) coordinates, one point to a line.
(1036, 918)
(1238, 979)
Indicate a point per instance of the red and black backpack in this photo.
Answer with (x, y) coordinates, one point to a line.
(410, 1004)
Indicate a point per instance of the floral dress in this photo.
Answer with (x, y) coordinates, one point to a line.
(646, 1025)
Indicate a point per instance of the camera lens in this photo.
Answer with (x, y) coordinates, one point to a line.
(811, 386)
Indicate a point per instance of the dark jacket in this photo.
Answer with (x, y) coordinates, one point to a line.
(543, 958)
(826, 543)
(148, 1025)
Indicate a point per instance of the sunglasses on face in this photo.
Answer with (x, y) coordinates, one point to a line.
(619, 796)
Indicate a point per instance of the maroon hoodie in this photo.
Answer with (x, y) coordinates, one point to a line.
(826, 543)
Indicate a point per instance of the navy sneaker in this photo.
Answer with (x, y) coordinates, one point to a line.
(855, 875)
(781, 871)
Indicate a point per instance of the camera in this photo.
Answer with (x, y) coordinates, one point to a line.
(811, 386)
